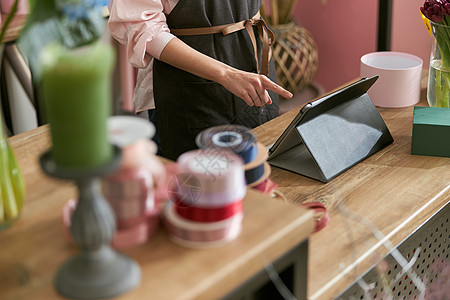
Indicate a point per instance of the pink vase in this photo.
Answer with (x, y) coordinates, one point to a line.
(22, 6)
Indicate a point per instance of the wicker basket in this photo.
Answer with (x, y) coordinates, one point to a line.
(295, 56)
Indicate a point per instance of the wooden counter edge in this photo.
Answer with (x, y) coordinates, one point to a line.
(261, 255)
(343, 280)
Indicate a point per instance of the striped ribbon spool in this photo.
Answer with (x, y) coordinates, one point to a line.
(130, 194)
(236, 138)
(257, 170)
(139, 233)
(200, 235)
(129, 189)
(253, 176)
(241, 141)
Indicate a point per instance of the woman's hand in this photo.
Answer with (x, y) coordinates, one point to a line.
(251, 87)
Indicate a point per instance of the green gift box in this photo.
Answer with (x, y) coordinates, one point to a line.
(431, 131)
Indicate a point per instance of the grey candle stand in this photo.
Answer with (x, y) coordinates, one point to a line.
(98, 271)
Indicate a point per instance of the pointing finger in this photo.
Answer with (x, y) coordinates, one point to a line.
(270, 85)
(269, 100)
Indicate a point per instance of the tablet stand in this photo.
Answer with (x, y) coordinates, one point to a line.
(334, 135)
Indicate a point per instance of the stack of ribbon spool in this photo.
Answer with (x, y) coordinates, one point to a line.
(205, 204)
(129, 189)
(241, 141)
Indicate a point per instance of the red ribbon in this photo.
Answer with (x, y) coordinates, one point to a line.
(207, 214)
(318, 209)
(266, 187)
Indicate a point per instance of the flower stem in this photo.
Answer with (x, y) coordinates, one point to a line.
(444, 99)
(441, 34)
(11, 210)
(11, 14)
(438, 87)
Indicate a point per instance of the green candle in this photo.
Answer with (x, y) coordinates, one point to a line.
(77, 96)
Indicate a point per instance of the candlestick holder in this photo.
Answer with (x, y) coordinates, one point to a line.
(98, 271)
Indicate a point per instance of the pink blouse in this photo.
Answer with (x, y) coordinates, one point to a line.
(141, 26)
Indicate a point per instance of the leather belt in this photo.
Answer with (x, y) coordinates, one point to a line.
(265, 34)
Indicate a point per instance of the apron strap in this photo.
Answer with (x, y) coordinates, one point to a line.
(265, 34)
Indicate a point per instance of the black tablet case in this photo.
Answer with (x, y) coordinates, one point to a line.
(332, 134)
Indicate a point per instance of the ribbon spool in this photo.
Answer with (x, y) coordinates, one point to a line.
(194, 195)
(130, 189)
(241, 141)
(125, 130)
(258, 169)
(235, 138)
(210, 172)
(130, 194)
(200, 235)
(207, 214)
(206, 204)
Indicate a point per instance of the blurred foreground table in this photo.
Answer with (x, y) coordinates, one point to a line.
(33, 248)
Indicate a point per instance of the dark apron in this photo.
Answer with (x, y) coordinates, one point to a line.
(187, 104)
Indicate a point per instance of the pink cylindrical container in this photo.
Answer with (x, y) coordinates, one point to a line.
(400, 75)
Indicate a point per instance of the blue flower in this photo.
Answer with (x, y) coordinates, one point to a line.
(80, 9)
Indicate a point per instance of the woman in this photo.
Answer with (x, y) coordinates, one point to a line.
(203, 79)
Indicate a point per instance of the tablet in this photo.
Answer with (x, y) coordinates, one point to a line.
(332, 133)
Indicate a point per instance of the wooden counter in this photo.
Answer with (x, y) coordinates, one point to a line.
(34, 248)
(393, 190)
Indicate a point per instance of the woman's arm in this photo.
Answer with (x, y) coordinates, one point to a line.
(250, 87)
(141, 26)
